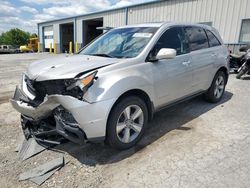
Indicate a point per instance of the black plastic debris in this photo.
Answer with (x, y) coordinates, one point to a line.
(41, 173)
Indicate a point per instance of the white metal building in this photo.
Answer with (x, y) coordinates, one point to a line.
(230, 17)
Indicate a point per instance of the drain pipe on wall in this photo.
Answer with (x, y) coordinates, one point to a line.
(75, 36)
(126, 16)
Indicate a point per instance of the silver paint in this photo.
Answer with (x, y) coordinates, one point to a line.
(164, 81)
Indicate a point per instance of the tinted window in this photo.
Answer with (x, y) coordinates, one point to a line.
(173, 38)
(213, 41)
(197, 38)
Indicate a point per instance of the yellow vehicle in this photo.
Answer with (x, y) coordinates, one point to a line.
(31, 47)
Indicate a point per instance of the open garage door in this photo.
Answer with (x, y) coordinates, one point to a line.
(90, 30)
(48, 37)
(67, 36)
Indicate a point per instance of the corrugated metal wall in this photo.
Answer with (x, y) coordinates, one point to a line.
(114, 18)
(226, 15)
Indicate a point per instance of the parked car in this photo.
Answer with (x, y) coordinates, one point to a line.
(8, 49)
(114, 85)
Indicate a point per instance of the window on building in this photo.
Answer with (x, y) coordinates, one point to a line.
(213, 41)
(197, 38)
(173, 38)
(245, 31)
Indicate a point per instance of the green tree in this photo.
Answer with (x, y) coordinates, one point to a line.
(14, 37)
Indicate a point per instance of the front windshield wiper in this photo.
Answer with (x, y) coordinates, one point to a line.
(103, 55)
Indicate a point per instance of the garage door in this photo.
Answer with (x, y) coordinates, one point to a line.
(48, 36)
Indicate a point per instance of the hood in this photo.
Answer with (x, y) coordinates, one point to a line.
(65, 67)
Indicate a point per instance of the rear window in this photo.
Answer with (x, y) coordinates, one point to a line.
(197, 38)
(213, 41)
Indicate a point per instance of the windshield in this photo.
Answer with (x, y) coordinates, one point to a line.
(121, 43)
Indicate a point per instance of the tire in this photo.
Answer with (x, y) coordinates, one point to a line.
(117, 135)
(218, 84)
(241, 73)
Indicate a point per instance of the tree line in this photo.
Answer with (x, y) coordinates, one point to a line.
(15, 37)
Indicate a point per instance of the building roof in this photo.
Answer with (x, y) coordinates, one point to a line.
(103, 11)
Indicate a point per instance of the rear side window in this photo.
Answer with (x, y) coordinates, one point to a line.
(172, 38)
(197, 38)
(213, 41)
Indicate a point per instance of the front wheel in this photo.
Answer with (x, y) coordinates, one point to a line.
(217, 88)
(127, 123)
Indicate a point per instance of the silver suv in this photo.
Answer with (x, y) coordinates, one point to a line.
(111, 89)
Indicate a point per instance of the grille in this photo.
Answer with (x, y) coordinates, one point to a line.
(49, 88)
(53, 87)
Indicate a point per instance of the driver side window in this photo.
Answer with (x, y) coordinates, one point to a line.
(172, 38)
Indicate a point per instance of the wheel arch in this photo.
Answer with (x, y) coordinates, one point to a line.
(225, 70)
(138, 93)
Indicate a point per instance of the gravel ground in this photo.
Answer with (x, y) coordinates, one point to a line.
(193, 144)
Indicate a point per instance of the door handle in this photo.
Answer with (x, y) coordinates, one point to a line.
(186, 63)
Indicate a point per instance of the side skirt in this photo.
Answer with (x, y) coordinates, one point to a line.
(183, 99)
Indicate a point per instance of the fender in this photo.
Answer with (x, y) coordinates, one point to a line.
(113, 84)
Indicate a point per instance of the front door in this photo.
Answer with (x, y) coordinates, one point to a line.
(172, 77)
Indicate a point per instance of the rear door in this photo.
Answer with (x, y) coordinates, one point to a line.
(202, 58)
(172, 77)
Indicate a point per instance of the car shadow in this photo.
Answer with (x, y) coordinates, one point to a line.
(163, 122)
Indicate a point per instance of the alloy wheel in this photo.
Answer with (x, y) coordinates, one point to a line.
(219, 87)
(130, 123)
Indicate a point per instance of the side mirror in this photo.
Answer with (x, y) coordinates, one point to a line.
(166, 53)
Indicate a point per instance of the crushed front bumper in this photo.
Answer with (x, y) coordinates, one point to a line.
(85, 121)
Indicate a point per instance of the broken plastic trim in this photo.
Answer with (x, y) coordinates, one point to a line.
(81, 85)
(53, 133)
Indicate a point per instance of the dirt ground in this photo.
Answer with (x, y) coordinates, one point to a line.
(193, 144)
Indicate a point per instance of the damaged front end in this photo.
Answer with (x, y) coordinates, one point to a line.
(43, 106)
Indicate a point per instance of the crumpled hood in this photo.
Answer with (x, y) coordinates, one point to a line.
(65, 67)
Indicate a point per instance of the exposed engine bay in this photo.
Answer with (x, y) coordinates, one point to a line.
(41, 106)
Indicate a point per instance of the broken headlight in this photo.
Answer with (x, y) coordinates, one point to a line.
(83, 82)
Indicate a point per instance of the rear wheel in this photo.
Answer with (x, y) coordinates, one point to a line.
(216, 90)
(127, 123)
